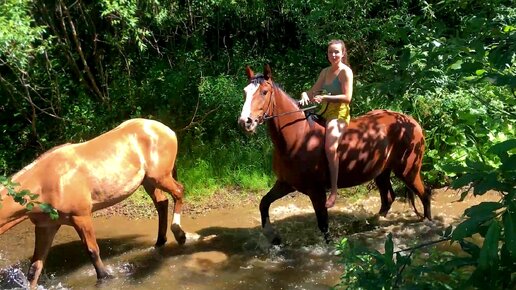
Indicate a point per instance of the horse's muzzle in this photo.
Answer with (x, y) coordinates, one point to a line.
(248, 124)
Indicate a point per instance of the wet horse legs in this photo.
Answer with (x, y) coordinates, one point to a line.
(161, 203)
(44, 238)
(84, 227)
(387, 195)
(318, 199)
(168, 184)
(278, 191)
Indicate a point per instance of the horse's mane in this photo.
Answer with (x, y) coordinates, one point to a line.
(259, 78)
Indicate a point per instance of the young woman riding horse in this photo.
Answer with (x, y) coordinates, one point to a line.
(373, 146)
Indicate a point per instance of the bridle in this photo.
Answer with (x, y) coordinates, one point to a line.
(266, 116)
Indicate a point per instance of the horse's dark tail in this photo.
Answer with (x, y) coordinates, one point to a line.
(410, 196)
(426, 195)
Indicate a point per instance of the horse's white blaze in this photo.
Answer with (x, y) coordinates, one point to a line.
(249, 90)
(177, 219)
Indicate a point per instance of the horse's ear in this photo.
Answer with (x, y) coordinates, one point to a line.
(267, 72)
(249, 72)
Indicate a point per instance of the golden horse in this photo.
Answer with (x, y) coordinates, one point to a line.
(77, 179)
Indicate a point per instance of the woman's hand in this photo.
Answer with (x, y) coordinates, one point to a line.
(305, 99)
(318, 99)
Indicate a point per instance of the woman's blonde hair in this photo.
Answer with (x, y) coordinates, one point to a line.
(344, 50)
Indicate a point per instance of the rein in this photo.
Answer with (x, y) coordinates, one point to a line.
(265, 118)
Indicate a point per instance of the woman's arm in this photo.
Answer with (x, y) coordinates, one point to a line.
(308, 96)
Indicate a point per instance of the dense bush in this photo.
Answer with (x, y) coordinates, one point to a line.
(70, 71)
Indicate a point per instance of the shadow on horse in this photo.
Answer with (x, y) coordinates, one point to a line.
(373, 146)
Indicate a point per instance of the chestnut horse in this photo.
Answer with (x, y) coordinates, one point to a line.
(373, 146)
(77, 179)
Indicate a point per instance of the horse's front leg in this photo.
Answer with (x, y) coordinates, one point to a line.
(84, 227)
(279, 190)
(318, 199)
(44, 238)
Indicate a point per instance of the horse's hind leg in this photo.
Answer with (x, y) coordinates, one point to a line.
(278, 191)
(321, 211)
(84, 227)
(44, 238)
(387, 195)
(168, 184)
(161, 203)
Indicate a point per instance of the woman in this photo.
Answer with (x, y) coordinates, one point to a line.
(336, 81)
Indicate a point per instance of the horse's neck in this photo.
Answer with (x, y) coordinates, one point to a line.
(289, 126)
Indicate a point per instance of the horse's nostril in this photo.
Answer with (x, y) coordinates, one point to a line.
(248, 121)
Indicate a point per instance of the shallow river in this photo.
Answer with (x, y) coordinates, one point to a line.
(225, 248)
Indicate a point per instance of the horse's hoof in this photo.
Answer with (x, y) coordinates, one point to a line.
(160, 242)
(103, 277)
(327, 238)
(179, 234)
(276, 241)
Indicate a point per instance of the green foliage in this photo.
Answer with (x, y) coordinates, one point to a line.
(20, 38)
(235, 164)
(365, 269)
(70, 75)
(488, 265)
(26, 198)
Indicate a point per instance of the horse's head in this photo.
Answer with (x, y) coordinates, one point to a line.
(257, 99)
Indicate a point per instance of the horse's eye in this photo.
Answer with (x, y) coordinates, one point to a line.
(264, 92)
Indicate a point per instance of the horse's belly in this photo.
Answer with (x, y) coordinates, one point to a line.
(115, 188)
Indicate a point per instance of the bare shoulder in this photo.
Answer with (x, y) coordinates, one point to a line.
(345, 73)
(347, 70)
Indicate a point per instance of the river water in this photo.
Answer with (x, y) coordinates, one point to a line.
(225, 248)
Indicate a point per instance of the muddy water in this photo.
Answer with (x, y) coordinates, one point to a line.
(225, 248)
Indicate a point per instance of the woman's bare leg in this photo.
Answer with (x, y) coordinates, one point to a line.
(334, 130)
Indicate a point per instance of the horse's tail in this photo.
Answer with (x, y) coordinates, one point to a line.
(411, 198)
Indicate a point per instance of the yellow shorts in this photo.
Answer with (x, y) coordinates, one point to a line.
(330, 111)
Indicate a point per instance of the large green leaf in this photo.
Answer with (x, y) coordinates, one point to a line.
(466, 180)
(483, 209)
(502, 148)
(509, 226)
(488, 182)
(489, 253)
(469, 227)
(470, 248)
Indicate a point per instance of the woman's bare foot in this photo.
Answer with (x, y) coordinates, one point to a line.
(330, 202)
